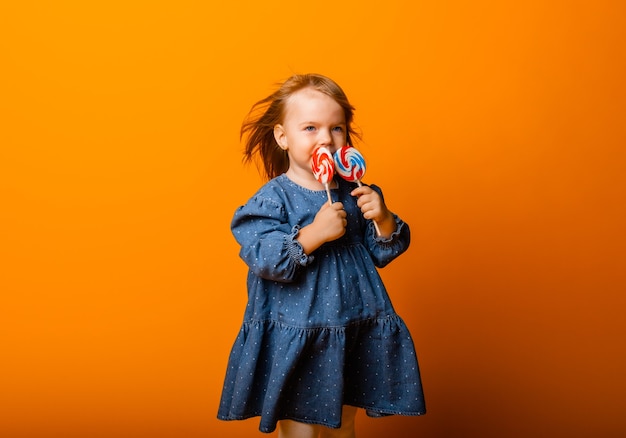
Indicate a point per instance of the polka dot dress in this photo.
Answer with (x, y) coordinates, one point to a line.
(319, 331)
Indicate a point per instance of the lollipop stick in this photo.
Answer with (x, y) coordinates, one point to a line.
(330, 200)
(376, 226)
(358, 183)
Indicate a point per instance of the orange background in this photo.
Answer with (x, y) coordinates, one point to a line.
(495, 128)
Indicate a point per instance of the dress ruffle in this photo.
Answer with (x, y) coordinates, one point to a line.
(279, 372)
(295, 250)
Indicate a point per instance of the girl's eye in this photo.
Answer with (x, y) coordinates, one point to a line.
(338, 129)
(309, 128)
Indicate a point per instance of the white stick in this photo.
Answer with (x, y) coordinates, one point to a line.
(330, 200)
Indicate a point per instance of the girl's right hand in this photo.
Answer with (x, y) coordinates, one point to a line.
(331, 221)
(329, 224)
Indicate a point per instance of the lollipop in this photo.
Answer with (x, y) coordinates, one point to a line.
(350, 165)
(323, 168)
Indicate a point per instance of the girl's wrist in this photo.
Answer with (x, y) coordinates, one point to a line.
(387, 218)
(309, 238)
(387, 224)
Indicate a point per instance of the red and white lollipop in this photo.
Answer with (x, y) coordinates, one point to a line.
(350, 165)
(323, 168)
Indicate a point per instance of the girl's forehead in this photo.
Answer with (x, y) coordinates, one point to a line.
(304, 96)
(309, 101)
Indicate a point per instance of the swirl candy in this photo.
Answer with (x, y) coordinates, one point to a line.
(350, 165)
(323, 168)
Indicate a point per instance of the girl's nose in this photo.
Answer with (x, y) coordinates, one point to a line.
(325, 138)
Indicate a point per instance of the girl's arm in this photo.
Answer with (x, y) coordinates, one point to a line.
(395, 235)
(268, 242)
(273, 248)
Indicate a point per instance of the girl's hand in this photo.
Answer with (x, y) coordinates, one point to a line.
(329, 224)
(373, 207)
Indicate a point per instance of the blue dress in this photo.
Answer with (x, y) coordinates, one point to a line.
(319, 331)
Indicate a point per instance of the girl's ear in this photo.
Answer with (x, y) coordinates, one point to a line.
(281, 138)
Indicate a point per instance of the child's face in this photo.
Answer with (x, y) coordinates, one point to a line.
(311, 119)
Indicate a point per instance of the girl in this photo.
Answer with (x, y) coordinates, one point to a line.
(320, 337)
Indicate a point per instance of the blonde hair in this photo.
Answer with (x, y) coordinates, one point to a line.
(258, 126)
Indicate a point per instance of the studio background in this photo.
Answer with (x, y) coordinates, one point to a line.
(496, 130)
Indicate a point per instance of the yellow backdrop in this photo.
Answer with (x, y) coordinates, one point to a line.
(495, 128)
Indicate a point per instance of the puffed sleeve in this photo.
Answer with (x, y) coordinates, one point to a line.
(268, 242)
(385, 249)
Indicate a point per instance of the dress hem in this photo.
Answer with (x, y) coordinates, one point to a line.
(369, 411)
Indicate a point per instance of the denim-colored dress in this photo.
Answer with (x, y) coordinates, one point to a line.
(319, 330)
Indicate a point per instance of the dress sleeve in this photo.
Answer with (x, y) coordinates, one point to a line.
(385, 249)
(268, 242)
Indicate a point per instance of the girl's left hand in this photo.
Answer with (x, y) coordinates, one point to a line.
(373, 207)
(371, 204)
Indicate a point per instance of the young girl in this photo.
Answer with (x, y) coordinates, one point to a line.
(320, 337)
